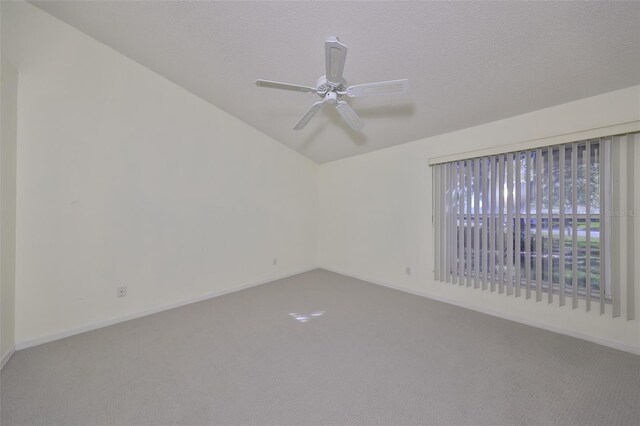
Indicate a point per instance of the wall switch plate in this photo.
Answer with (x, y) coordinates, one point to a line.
(408, 270)
(275, 261)
(122, 291)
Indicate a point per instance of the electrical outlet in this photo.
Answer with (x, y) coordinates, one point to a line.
(275, 261)
(408, 270)
(122, 291)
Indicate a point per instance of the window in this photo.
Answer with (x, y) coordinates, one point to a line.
(534, 222)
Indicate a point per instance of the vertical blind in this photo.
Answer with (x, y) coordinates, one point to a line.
(535, 222)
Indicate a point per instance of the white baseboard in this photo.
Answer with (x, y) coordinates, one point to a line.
(561, 330)
(68, 333)
(6, 357)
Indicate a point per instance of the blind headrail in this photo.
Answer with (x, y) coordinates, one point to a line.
(598, 132)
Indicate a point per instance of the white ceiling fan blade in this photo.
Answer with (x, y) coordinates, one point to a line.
(335, 56)
(349, 115)
(381, 88)
(285, 86)
(308, 115)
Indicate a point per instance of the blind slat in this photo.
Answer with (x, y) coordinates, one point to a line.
(485, 223)
(587, 197)
(450, 228)
(612, 245)
(460, 222)
(603, 233)
(509, 278)
(550, 223)
(500, 227)
(562, 204)
(436, 225)
(631, 309)
(476, 221)
(492, 227)
(574, 226)
(538, 224)
(446, 221)
(527, 238)
(443, 223)
(467, 222)
(518, 181)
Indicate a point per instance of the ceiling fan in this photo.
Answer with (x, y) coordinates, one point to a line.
(332, 86)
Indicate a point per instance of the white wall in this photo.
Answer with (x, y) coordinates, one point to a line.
(375, 215)
(8, 92)
(8, 99)
(124, 178)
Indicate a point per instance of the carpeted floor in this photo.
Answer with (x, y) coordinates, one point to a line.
(370, 355)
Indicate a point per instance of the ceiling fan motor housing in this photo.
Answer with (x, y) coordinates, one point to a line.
(323, 86)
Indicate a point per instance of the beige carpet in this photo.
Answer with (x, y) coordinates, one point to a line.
(370, 355)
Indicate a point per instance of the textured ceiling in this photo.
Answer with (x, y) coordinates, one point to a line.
(468, 63)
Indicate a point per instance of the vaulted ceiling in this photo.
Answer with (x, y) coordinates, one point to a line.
(468, 63)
